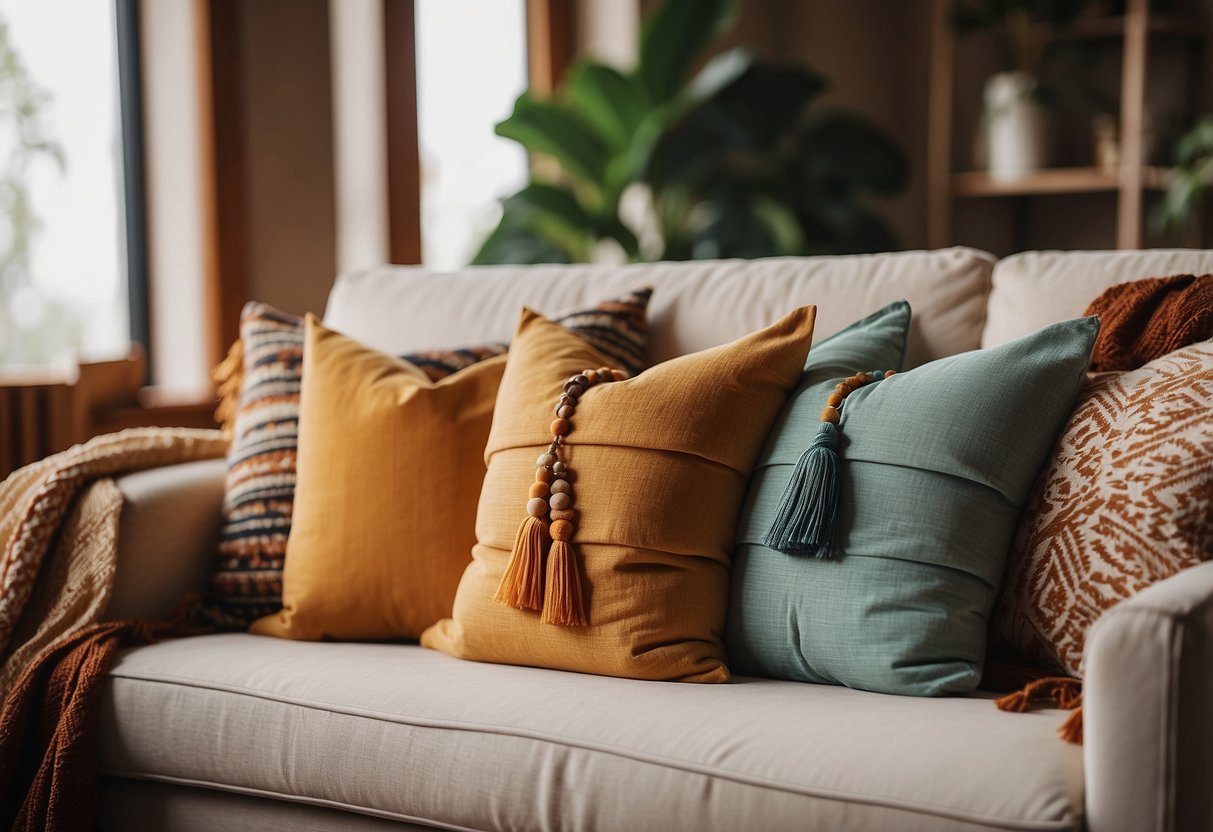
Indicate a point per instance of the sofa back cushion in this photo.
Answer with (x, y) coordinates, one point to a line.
(696, 305)
(1037, 288)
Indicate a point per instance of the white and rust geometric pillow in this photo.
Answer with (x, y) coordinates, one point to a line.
(1125, 501)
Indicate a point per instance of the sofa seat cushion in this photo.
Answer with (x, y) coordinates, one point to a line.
(401, 732)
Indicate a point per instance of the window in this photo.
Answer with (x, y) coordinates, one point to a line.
(63, 272)
(471, 66)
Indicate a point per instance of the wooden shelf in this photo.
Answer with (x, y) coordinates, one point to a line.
(1051, 181)
(1137, 34)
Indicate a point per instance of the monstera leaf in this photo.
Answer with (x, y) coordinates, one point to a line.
(732, 163)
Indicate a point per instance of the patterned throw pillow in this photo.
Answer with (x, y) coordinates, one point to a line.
(1124, 502)
(260, 487)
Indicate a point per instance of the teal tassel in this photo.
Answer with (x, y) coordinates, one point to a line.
(804, 524)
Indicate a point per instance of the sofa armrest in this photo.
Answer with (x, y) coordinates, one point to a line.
(1148, 724)
(166, 537)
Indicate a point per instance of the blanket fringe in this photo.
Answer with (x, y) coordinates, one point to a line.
(1052, 691)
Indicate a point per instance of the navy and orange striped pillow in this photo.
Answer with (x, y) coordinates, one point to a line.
(259, 384)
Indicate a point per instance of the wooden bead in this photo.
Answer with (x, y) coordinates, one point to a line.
(604, 374)
(619, 375)
(567, 400)
(543, 475)
(591, 376)
(563, 514)
(834, 400)
(582, 379)
(562, 487)
(540, 489)
(573, 389)
(537, 507)
(561, 501)
(561, 530)
(843, 389)
(565, 411)
(559, 468)
(547, 459)
(888, 373)
(830, 414)
(561, 427)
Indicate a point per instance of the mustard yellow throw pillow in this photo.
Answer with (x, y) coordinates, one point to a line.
(388, 473)
(660, 465)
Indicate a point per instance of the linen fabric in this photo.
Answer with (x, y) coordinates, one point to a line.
(497, 747)
(697, 305)
(1125, 502)
(261, 380)
(1036, 288)
(764, 581)
(936, 464)
(389, 469)
(660, 463)
(1146, 319)
(1147, 724)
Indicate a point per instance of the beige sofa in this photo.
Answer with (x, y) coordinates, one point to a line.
(242, 732)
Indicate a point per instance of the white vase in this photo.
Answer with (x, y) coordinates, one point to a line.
(1015, 126)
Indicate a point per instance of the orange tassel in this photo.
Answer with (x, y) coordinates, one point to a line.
(522, 584)
(228, 376)
(1071, 729)
(1058, 691)
(564, 604)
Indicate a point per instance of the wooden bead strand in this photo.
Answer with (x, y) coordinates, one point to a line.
(833, 409)
(552, 584)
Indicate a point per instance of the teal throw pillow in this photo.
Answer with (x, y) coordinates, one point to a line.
(935, 467)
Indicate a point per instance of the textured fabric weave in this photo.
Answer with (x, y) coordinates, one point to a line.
(48, 727)
(58, 533)
(1125, 501)
(260, 487)
(1146, 319)
(766, 584)
(390, 468)
(936, 464)
(660, 463)
(400, 732)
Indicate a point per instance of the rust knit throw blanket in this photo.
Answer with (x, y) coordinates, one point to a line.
(48, 735)
(59, 534)
(1146, 319)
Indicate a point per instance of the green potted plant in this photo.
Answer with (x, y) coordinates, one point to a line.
(661, 162)
(1189, 179)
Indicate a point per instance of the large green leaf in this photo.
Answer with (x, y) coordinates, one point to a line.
(719, 73)
(518, 244)
(553, 200)
(675, 37)
(612, 102)
(548, 127)
(747, 120)
(612, 227)
(553, 213)
(838, 144)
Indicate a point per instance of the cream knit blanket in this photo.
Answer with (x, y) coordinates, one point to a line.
(59, 534)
